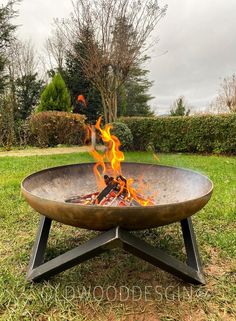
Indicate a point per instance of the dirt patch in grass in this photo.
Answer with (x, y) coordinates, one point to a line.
(216, 266)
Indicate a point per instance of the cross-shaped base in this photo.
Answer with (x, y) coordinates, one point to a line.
(116, 237)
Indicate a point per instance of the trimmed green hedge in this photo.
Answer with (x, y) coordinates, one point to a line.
(204, 133)
(51, 128)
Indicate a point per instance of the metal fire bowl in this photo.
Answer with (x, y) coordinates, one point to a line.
(180, 194)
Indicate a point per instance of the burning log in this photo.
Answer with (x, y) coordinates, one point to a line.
(114, 194)
(85, 199)
(111, 186)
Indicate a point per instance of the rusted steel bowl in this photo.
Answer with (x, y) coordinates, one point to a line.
(180, 194)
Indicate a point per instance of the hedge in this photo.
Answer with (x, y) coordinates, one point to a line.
(54, 127)
(203, 133)
(124, 134)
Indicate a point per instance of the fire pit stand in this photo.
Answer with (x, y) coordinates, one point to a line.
(116, 238)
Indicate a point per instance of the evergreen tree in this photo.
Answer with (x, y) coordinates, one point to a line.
(133, 96)
(7, 29)
(78, 84)
(55, 96)
(179, 108)
(28, 89)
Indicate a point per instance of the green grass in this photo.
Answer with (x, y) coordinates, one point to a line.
(69, 295)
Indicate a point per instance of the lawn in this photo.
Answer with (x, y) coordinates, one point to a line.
(118, 286)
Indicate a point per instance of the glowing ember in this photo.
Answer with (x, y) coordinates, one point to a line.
(114, 189)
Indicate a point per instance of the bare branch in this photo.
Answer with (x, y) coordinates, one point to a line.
(108, 37)
(226, 99)
(22, 59)
(56, 47)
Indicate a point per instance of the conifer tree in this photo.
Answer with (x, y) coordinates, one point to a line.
(7, 30)
(180, 108)
(55, 96)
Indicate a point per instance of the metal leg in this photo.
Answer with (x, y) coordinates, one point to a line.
(193, 257)
(40, 244)
(116, 237)
(73, 257)
(160, 259)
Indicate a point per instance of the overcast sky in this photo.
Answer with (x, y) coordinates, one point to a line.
(197, 46)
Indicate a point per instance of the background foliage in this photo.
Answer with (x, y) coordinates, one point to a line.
(180, 107)
(7, 135)
(124, 134)
(53, 128)
(55, 96)
(205, 133)
(7, 30)
(27, 91)
(78, 84)
(133, 95)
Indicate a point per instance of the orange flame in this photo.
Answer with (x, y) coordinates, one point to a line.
(113, 154)
(100, 163)
(136, 196)
(115, 157)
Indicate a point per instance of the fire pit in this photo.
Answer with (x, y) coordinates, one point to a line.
(181, 193)
(105, 197)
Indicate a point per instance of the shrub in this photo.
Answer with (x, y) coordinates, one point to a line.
(124, 134)
(53, 128)
(21, 128)
(7, 135)
(55, 96)
(204, 133)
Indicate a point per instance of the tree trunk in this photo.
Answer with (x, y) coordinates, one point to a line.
(109, 107)
(115, 106)
(104, 107)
